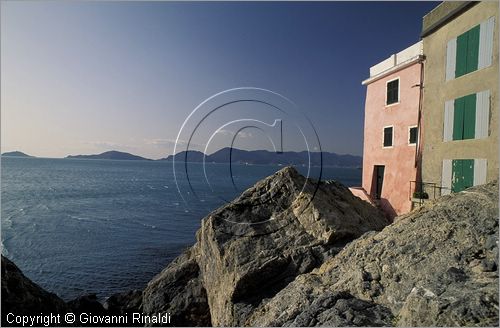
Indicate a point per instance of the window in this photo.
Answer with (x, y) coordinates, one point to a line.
(412, 135)
(392, 92)
(467, 52)
(471, 50)
(388, 136)
(460, 174)
(467, 117)
(464, 117)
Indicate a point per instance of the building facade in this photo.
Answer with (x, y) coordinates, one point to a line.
(460, 106)
(391, 131)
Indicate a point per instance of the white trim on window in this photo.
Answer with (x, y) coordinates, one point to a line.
(409, 128)
(482, 115)
(449, 113)
(383, 136)
(480, 171)
(486, 32)
(399, 91)
(446, 177)
(451, 57)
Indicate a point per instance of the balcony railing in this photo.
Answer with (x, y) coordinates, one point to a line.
(422, 191)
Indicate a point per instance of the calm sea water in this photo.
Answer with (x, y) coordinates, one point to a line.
(100, 226)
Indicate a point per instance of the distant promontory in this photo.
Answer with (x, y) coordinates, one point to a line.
(16, 154)
(264, 157)
(113, 155)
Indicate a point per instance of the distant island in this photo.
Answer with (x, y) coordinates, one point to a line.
(239, 156)
(113, 155)
(16, 154)
(263, 157)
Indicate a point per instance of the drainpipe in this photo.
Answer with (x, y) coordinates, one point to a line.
(418, 150)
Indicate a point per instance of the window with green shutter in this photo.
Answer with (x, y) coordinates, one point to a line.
(464, 118)
(467, 52)
(462, 176)
(470, 51)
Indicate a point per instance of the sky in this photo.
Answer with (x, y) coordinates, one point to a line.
(87, 77)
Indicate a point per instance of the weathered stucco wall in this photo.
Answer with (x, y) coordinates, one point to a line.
(434, 18)
(398, 160)
(437, 91)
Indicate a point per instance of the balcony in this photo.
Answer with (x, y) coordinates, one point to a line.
(420, 192)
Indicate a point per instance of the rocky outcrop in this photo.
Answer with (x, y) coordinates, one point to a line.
(437, 266)
(251, 248)
(21, 296)
(178, 290)
(290, 252)
(124, 303)
(86, 304)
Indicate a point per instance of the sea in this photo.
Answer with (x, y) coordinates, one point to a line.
(77, 226)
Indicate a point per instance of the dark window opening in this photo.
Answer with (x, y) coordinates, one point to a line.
(413, 135)
(388, 137)
(392, 92)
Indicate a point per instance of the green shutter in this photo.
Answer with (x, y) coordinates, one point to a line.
(464, 117)
(461, 59)
(467, 55)
(458, 119)
(468, 173)
(472, 49)
(469, 116)
(456, 173)
(462, 174)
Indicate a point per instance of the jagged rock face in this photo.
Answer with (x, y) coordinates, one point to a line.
(250, 249)
(178, 290)
(86, 304)
(21, 296)
(124, 303)
(437, 266)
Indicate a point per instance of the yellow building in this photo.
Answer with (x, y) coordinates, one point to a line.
(460, 99)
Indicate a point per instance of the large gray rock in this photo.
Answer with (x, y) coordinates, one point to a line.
(178, 290)
(21, 296)
(437, 266)
(250, 249)
(125, 303)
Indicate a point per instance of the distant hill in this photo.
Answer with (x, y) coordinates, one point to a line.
(268, 157)
(113, 154)
(192, 156)
(16, 154)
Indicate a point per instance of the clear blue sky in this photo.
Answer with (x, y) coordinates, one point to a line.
(86, 77)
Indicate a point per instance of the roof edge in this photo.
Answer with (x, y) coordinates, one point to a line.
(443, 20)
(416, 59)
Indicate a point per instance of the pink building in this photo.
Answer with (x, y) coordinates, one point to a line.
(391, 135)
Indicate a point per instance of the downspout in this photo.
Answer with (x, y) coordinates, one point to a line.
(418, 150)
